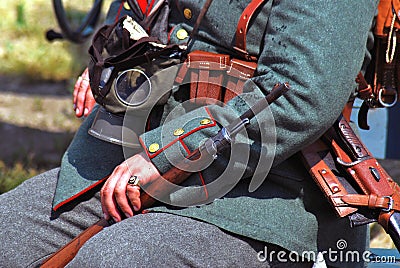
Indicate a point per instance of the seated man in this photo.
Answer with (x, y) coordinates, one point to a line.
(318, 47)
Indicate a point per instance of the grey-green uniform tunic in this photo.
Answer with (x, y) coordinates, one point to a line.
(316, 46)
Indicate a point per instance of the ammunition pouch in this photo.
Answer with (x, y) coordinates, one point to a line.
(214, 77)
(219, 77)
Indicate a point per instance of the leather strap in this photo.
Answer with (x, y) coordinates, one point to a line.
(371, 201)
(242, 27)
(196, 26)
(326, 180)
(383, 219)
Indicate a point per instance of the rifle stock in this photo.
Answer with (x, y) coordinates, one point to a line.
(65, 254)
(173, 177)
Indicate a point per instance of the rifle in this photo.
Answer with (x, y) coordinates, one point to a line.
(174, 176)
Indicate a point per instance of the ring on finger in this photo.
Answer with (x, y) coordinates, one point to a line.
(83, 78)
(134, 181)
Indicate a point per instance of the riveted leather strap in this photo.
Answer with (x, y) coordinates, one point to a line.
(326, 180)
(242, 28)
(371, 201)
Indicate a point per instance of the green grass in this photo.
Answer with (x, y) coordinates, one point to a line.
(24, 49)
(25, 52)
(13, 176)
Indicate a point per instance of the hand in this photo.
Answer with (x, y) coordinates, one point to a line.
(83, 97)
(117, 196)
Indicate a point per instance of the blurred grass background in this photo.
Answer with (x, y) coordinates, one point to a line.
(24, 49)
(29, 61)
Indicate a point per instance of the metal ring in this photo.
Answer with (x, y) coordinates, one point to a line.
(123, 100)
(384, 104)
(134, 181)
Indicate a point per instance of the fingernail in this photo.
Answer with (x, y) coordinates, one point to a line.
(135, 208)
(105, 215)
(127, 215)
(115, 219)
(86, 111)
(77, 111)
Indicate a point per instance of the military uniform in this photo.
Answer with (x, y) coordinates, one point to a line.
(316, 46)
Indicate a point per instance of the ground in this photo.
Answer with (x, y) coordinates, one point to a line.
(36, 121)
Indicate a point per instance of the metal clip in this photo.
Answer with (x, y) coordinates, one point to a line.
(348, 164)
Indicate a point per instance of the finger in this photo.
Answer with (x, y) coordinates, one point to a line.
(121, 195)
(76, 89)
(133, 193)
(85, 73)
(108, 203)
(83, 76)
(106, 214)
(80, 98)
(89, 102)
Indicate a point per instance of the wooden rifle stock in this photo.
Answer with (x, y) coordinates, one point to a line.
(170, 179)
(65, 254)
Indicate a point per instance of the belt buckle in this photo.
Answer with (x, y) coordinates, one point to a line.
(389, 203)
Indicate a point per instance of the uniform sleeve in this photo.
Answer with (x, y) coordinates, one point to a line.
(316, 46)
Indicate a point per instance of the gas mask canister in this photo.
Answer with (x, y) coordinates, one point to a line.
(126, 74)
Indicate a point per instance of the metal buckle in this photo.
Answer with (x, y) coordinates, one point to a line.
(390, 204)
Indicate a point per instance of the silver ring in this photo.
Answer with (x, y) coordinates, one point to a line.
(134, 181)
(384, 104)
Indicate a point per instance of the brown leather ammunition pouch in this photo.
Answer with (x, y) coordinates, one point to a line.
(217, 77)
(350, 177)
(214, 77)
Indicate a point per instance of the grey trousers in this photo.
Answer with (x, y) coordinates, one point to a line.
(29, 233)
